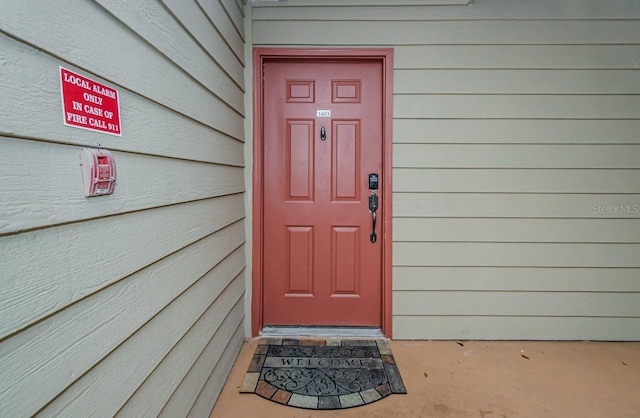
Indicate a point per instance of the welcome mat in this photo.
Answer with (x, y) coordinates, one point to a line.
(323, 374)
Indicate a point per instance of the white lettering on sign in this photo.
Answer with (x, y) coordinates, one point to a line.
(323, 113)
(88, 104)
(71, 79)
(105, 92)
(93, 99)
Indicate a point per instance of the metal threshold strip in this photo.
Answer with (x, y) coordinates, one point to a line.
(331, 332)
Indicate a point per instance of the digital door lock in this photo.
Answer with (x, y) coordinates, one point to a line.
(373, 204)
(373, 181)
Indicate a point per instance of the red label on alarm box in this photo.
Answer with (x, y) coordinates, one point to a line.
(88, 104)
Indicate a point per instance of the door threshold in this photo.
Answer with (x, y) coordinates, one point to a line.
(330, 332)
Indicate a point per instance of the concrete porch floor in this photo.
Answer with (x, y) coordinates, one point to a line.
(483, 379)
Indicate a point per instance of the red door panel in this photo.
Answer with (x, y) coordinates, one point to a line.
(320, 267)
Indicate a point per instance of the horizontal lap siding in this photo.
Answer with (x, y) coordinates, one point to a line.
(107, 304)
(541, 9)
(477, 32)
(516, 159)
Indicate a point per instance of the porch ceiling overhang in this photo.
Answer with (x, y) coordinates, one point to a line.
(292, 3)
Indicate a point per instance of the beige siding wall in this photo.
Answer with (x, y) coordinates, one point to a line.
(516, 158)
(129, 304)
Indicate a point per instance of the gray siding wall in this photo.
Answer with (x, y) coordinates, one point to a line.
(516, 157)
(129, 304)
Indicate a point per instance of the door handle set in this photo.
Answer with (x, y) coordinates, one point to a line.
(373, 205)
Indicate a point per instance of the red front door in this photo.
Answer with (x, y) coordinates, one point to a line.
(322, 138)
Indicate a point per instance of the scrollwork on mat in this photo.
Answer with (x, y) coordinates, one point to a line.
(324, 382)
(311, 351)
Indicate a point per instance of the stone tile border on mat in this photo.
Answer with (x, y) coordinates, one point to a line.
(253, 384)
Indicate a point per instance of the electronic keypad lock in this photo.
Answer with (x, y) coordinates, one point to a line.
(373, 205)
(373, 181)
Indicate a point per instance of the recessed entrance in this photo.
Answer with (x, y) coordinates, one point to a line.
(321, 220)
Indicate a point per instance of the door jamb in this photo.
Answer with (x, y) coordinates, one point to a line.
(260, 56)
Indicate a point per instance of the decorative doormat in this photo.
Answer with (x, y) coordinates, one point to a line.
(323, 374)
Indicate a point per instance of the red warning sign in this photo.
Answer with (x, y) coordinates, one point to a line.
(88, 104)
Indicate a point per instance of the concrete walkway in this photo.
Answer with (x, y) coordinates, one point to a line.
(483, 379)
